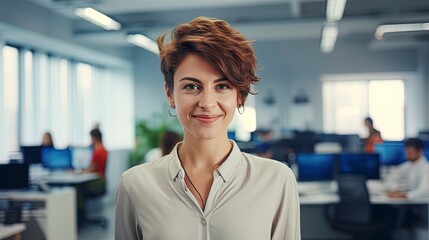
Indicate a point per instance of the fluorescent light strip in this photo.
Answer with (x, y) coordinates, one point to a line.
(329, 37)
(142, 41)
(335, 10)
(409, 27)
(97, 18)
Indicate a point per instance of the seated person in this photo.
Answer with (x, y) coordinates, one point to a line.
(47, 140)
(99, 155)
(411, 179)
(98, 165)
(167, 142)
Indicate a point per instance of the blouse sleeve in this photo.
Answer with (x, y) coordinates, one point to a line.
(422, 190)
(126, 223)
(286, 224)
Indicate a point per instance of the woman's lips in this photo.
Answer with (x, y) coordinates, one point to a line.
(207, 118)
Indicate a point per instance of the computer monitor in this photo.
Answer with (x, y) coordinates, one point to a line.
(366, 164)
(315, 167)
(81, 157)
(426, 152)
(14, 176)
(391, 153)
(426, 149)
(56, 159)
(31, 154)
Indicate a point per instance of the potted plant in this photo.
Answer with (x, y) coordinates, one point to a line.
(148, 132)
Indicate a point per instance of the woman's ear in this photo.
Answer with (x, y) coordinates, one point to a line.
(169, 94)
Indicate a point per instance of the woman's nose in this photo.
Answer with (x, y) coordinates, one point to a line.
(207, 99)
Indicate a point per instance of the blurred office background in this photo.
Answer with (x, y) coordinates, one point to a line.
(321, 75)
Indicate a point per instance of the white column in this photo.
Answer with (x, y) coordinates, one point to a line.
(2, 107)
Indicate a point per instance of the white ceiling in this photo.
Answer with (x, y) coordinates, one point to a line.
(259, 20)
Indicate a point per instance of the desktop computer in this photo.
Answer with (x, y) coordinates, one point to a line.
(56, 159)
(14, 176)
(32, 154)
(360, 163)
(81, 157)
(315, 167)
(426, 149)
(391, 153)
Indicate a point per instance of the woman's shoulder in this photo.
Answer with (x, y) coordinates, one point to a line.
(147, 168)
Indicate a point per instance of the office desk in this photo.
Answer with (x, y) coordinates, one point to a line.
(57, 215)
(321, 193)
(70, 178)
(11, 230)
(315, 195)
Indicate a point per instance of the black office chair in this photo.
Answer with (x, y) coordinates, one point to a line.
(97, 194)
(353, 214)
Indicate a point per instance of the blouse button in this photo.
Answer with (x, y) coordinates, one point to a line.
(203, 222)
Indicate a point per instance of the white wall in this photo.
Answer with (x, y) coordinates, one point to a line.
(149, 85)
(425, 70)
(288, 66)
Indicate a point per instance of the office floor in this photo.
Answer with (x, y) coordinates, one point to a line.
(93, 232)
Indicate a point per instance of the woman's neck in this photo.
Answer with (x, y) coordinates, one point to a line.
(204, 154)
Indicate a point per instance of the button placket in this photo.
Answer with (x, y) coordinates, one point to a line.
(203, 222)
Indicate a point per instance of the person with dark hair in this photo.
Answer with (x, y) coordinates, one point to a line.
(411, 179)
(99, 155)
(206, 188)
(98, 165)
(47, 140)
(374, 136)
(167, 142)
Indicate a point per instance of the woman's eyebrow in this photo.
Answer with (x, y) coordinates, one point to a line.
(221, 79)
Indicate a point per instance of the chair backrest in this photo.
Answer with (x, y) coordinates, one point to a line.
(354, 206)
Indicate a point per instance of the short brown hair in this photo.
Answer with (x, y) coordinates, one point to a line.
(217, 42)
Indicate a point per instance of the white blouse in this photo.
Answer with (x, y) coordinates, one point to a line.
(251, 198)
(412, 178)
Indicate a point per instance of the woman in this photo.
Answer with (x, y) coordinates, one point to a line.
(47, 140)
(167, 142)
(374, 136)
(206, 188)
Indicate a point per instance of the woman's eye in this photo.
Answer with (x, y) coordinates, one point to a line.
(223, 86)
(191, 87)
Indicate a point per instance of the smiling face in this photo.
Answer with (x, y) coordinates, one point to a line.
(204, 99)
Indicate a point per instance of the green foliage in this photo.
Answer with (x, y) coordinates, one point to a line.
(148, 132)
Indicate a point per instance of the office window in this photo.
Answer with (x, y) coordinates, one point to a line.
(65, 98)
(28, 99)
(245, 123)
(387, 107)
(59, 92)
(9, 99)
(43, 119)
(83, 104)
(347, 103)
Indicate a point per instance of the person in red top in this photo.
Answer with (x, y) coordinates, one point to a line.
(374, 136)
(98, 165)
(99, 155)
